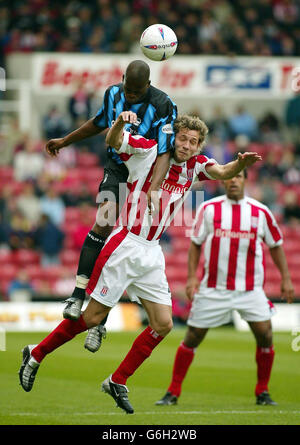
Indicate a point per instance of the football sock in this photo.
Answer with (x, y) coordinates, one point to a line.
(91, 248)
(183, 359)
(264, 360)
(140, 350)
(64, 332)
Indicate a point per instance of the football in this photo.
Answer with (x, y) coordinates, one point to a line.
(158, 42)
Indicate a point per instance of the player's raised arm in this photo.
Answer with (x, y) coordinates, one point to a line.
(231, 169)
(165, 141)
(114, 137)
(86, 130)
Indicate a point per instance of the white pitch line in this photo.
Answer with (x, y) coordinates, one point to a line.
(275, 411)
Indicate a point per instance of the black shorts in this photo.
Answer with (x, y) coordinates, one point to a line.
(114, 174)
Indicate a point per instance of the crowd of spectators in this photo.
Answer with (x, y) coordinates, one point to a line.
(242, 27)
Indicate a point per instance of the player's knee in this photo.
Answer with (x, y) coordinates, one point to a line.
(164, 327)
(267, 338)
(93, 319)
(194, 336)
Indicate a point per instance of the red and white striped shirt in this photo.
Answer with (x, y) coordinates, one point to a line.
(233, 232)
(139, 155)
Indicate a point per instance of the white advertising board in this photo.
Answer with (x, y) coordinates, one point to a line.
(287, 318)
(179, 76)
(46, 316)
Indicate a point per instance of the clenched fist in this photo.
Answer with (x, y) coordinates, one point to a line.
(54, 145)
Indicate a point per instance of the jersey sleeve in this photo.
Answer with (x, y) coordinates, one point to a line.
(165, 133)
(199, 229)
(101, 118)
(201, 164)
(272, 233)
(132, 145)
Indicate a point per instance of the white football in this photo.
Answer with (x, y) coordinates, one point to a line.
(158, 42)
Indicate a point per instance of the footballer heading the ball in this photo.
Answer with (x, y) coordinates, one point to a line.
(158, 42)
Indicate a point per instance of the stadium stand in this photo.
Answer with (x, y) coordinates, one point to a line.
(242, 27)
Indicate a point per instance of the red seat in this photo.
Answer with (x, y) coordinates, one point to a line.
(272, 290)
(69, 242)
(176, 273)
(8, 272)
(6, 174)
(69, 257)
(26, 256)
(53, 272)
(35, 271)
(6, 257)
(87, 160)
(72, 213)
(4, 285)
(93, 187)
(297, 290)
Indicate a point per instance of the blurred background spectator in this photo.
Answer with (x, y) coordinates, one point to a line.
(49, 240)
(79, 105)
(53, 206)
(20, 289)
(29, 162)
(291, 208)
(243, 123)
(55, 124)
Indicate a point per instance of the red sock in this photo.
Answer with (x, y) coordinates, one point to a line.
(264, 360)
(183, 360)
(64, 332)
(141, 349)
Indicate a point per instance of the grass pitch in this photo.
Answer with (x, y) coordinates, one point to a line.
(218, 390)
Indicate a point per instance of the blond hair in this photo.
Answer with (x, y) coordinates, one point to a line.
(192, 123)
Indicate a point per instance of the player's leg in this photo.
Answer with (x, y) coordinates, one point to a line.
(64, 332)
(262, 331)
(183, 360)
(110, 203)
(160, 324)
(90, 251)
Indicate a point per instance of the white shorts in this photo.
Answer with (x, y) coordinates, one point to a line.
(128, 262)
(213, 307)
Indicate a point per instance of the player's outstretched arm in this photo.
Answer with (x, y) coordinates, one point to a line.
(279, 258)
(114, 136)
(231, 169)
(86, 130)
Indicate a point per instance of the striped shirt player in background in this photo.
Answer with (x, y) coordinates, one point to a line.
(233, 228)
(131, 258)
(156, 113)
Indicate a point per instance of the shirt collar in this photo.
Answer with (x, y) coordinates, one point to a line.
(232, 201)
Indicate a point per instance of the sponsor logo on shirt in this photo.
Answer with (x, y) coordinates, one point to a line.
(225, 233)
(167, 129)
(173, 187)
